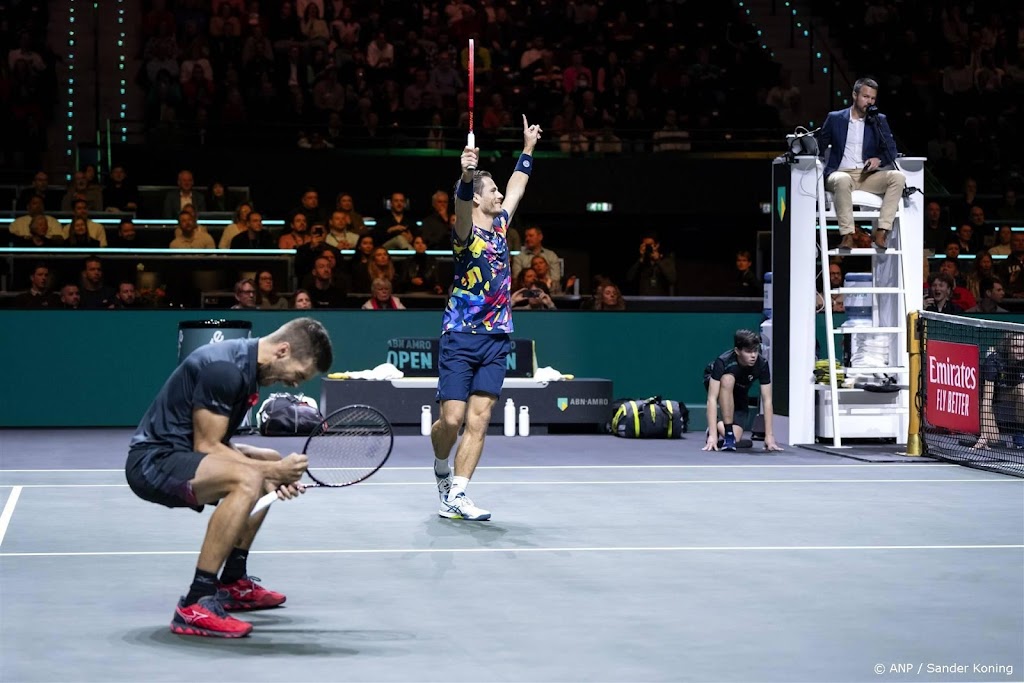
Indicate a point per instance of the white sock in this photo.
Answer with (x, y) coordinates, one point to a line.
(459, 485)
(441, 467)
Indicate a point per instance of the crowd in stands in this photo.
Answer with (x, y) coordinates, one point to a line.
(609, 76)
(335, 251)
(951, 77)
(28, 83)
(960, 273)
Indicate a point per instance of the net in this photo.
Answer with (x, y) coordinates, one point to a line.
(971, 393)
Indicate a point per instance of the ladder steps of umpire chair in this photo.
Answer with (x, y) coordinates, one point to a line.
(867, 251)
(867, 290)
(866, 208)
(831, 219)
(850, 390)
(867, 330)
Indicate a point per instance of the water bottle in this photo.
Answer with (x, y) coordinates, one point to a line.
(426, 420)
(766, 306)
(858, 306)
(510, 418)
(524, 421)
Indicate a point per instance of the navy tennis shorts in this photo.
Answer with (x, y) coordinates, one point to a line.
(164, 477)
(471, 363)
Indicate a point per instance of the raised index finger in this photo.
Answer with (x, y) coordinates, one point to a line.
(525, 124)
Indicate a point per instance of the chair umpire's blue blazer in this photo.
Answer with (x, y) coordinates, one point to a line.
(833, 133)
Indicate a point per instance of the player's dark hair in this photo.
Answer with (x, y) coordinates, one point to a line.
(862, 82)
(308, 340)
(478, 181)
(745, 340)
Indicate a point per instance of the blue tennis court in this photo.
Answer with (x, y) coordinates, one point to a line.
(606, 560)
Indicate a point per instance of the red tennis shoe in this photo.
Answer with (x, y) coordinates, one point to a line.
(206, 617)
(246, 594)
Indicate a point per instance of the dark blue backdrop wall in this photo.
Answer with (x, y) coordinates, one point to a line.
(102, 368)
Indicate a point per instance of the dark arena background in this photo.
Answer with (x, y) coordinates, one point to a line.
(181, 173)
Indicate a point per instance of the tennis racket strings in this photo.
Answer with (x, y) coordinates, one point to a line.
(348, 446)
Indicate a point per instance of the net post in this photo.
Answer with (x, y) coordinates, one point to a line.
(914, 350)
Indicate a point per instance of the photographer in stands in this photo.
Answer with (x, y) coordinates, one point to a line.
(654, 273)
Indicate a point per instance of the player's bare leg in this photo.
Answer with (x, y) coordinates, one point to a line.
(237, 486)
(478, 416)
(445, 431)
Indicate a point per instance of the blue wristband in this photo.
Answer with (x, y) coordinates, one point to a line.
(464, 191)
(525, 163)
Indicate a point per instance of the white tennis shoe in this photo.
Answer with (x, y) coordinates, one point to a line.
(444, 485)
(461, 507)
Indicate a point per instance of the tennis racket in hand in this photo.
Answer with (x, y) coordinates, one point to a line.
(470, 137)
(347, 447)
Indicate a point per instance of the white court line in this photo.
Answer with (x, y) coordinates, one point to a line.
(590, 467)
(5, 516)
(653, 482)
(584, 549)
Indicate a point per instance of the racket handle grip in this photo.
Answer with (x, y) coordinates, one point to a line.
(264, 502)
(471, 143)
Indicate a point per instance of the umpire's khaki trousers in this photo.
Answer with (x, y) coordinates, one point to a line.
(888, 184)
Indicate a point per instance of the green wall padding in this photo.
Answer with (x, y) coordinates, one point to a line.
(102, 368)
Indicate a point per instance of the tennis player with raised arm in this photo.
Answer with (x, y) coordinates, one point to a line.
(475, 336)
(182, 456)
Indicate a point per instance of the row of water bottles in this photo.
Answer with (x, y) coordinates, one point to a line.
(427, 420)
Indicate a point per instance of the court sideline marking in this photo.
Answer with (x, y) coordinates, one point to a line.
(584, 549)
(5, 516)
(580, 467)
(643, 482)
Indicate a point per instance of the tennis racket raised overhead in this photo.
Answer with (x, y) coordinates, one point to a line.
(470, 137)
(347, 447)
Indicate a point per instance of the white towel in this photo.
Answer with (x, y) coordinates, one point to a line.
(383, 371)
(549, 374)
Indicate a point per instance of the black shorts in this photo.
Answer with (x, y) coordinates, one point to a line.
(740, 400)
(164, 477)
